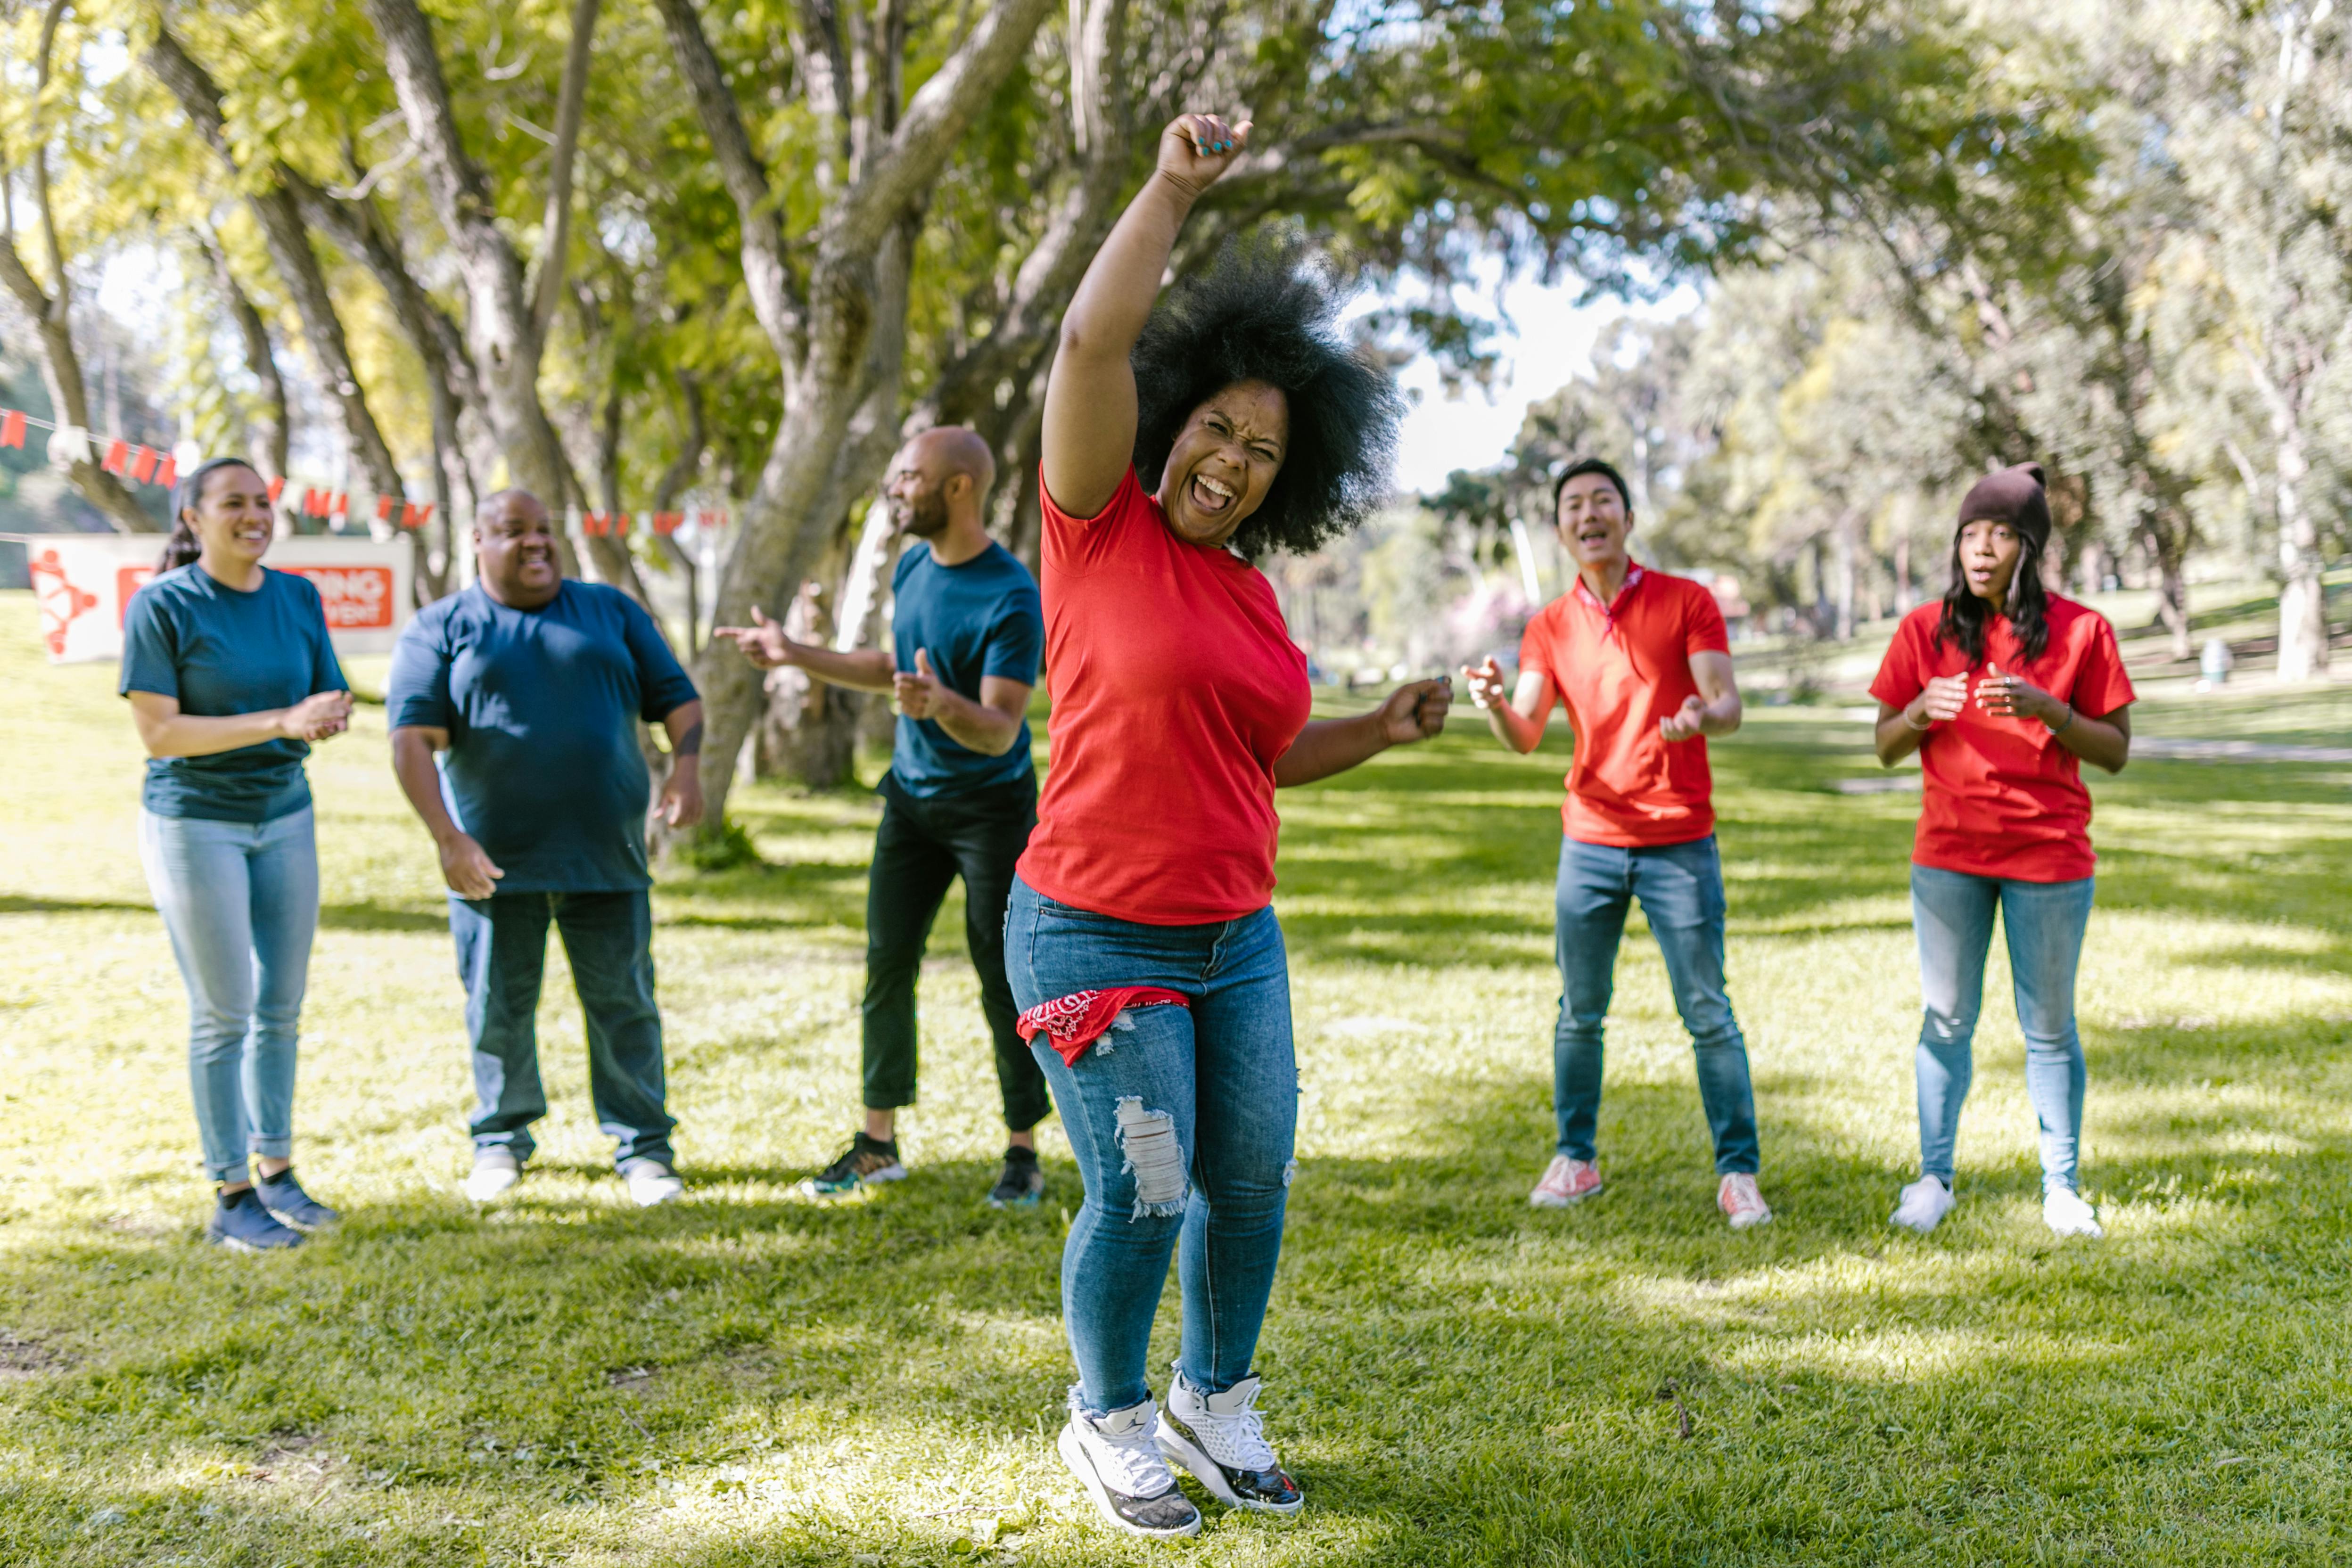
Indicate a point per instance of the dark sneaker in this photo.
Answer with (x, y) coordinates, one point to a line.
(240, 1224)
(866, 1162)
(1221, 1439)
(283, 1196)
(1121, 1466)
(1020, 1184)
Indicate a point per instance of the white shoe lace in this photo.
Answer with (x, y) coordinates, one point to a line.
(1234, 1438)
(1128, 1454)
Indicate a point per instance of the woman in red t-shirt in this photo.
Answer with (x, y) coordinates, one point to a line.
(2004, 690)
(1139, 941)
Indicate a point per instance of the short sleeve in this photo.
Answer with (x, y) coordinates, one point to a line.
(662, 683)
(1535, 646)
(1070, 544)
(2101, 685)
(416, 695)
(1898, 679)
(1703, 628)
(151, 648)
(326, 669)
(1017, 643)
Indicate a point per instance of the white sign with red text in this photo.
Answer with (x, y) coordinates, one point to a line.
(84, 583)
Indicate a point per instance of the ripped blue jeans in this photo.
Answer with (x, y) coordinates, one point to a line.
(1181, 1119)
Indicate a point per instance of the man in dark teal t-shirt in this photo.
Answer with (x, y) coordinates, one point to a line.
(534, 689)
(961, 793)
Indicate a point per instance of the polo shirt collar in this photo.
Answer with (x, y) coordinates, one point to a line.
(1634, 575)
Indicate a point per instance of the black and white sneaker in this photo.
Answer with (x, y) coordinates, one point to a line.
(1020, 1184)
(1221, 1439)
(1121, 1466)
(864, 1163)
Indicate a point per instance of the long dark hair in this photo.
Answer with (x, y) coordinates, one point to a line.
(183, 546)
(1966, 616)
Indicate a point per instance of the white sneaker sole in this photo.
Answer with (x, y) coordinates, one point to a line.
(1182, 1450)
(484, 1190)
(1555, 1200)
(1749, 1220)
(1074, 1454)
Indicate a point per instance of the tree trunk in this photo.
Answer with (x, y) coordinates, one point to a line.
(808, 730)
(269, 429)
(2302, 612)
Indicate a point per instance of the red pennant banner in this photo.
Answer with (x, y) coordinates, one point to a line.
(12, 428)
(167, 472)
(384, 508)
(142, 464)
(412, 516)
(621, 522)
(666, 523)
(314, 503)
(592, 524)
(277, 488)
(117, 458)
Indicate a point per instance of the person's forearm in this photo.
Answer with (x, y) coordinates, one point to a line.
(1122, 283)
(974, 725)
(187, 734)
(1897, 736)
(1514, 728)
(1328, 746)
(2096, 740)
(1722, 716)
(860, 669)
(420, 780)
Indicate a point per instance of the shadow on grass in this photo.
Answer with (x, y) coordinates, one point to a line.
(1456, 1378)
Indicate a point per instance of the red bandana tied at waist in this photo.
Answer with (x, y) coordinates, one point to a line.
(1075, 1022)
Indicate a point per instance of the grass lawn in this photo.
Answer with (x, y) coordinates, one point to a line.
(748, 1378)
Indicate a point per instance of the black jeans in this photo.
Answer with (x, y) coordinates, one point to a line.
(502, 959)
(922, 846)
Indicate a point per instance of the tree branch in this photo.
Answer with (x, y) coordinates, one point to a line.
(746, 177)
(571, 103)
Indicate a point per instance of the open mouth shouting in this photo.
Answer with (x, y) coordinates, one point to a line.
(1211, 497)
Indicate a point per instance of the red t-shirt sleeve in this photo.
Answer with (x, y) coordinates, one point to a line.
(1703, 628)
(1898, 679)
(2101, 686)
(1075, 544)
(1535, 646)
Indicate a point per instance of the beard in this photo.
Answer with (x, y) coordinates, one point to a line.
(925, 516)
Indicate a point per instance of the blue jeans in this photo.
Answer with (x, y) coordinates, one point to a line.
(1183, 1125)
(1681, 890)
(241, 903)
(2044, 921)
(502, 959)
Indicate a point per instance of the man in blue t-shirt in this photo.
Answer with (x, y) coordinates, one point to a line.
(961, 793)
(534, 689)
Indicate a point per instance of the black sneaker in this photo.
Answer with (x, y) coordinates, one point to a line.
(240, 1224)
(866, 1161)
(283, 1196)
(1221, 1439)
(1020, 1184)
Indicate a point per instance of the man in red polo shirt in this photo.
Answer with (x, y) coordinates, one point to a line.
(1641, 663)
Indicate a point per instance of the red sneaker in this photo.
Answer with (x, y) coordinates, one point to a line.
(1566, 1182)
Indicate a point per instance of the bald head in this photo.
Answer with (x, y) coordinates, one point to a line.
(938, 488)
(498, 504)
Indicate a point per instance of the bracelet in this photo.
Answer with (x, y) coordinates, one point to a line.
(1921, 729)
(2062, 728)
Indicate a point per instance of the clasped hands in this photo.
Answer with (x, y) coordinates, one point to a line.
(2003, 696)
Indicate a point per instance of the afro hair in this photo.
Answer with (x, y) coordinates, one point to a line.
(1264, 311)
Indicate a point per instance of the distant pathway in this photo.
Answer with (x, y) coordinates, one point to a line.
(2236, 751)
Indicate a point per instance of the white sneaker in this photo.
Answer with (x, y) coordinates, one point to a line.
(494, 1175)
(1116, 1456)
(2066, 1214)
(1741, 1201)
(1221, 1439)
(1921, 1206)
(652, 1183)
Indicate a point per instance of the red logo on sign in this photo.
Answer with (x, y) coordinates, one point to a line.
(60, 601)
(358, 598)
(128, 580)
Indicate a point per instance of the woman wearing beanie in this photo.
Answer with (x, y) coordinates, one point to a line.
(230, 677)
(2004, 689)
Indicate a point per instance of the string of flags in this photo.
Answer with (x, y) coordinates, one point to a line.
(70, 443)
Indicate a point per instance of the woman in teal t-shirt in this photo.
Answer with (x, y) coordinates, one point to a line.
(230, 677)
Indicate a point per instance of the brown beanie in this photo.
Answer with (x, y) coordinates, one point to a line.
(2014, 495)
